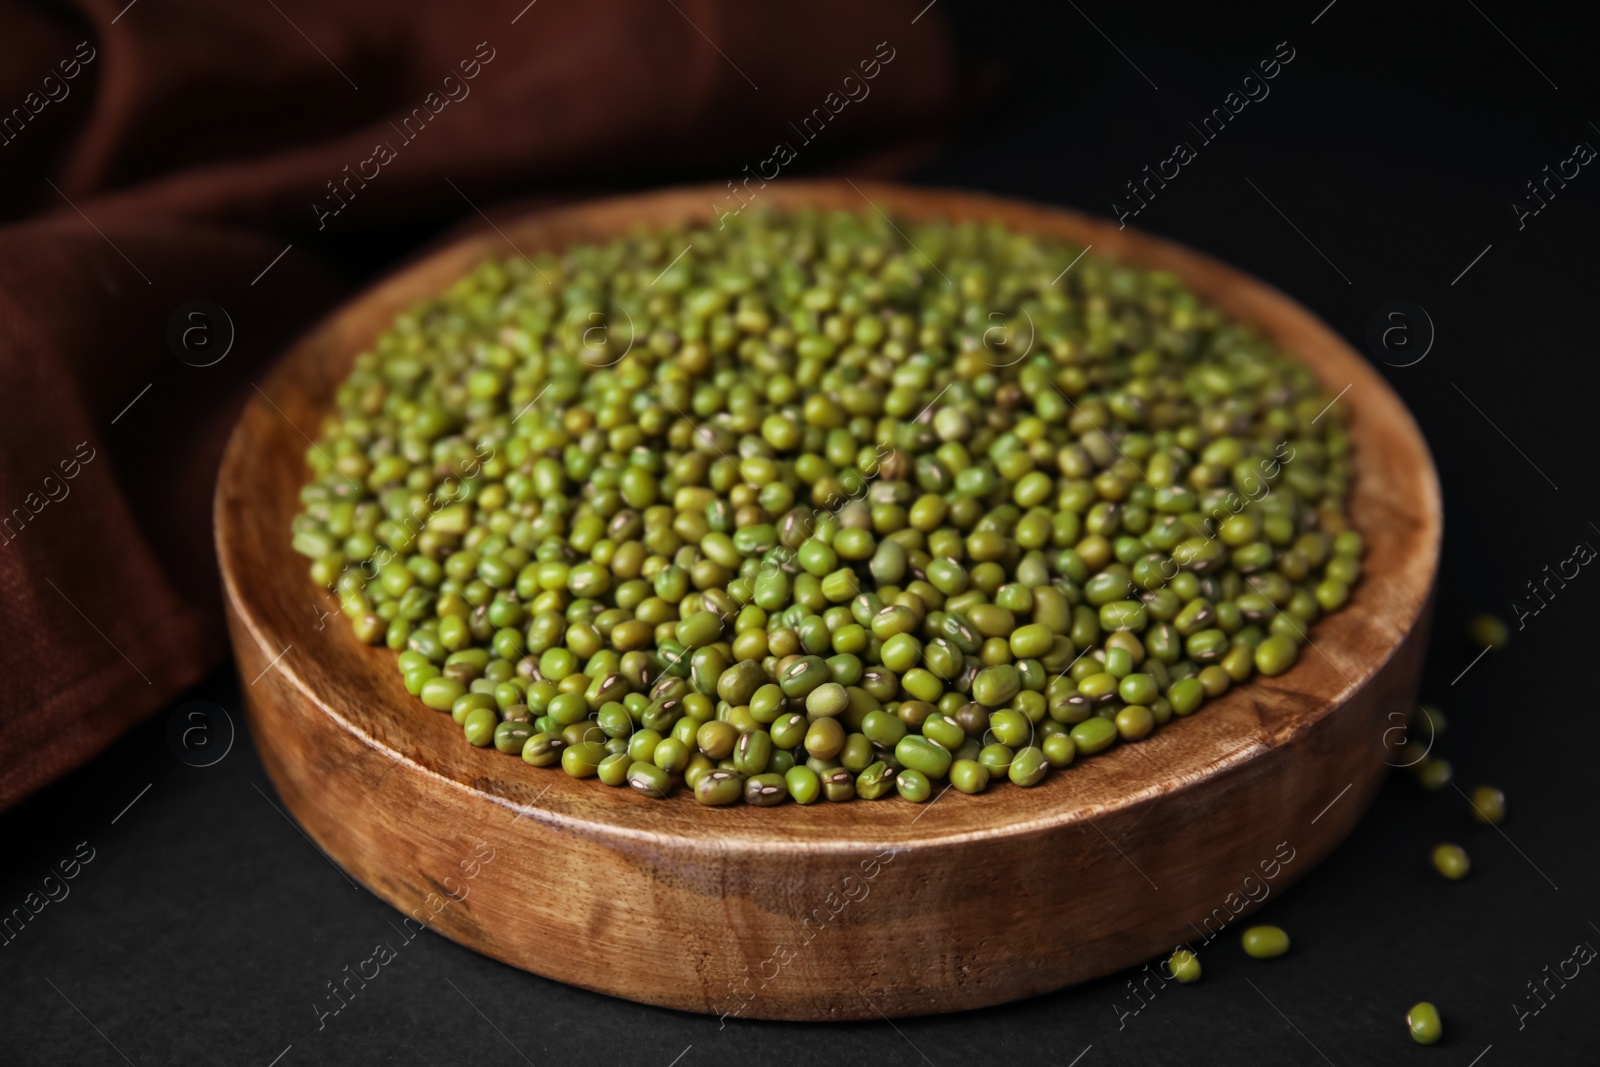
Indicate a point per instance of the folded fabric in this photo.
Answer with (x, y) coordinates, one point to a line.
(188, 185)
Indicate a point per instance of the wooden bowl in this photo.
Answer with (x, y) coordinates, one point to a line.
(835, 911)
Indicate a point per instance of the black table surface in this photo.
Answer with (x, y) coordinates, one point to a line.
(201, 925)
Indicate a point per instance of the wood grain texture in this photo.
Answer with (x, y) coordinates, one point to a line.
(835, 911)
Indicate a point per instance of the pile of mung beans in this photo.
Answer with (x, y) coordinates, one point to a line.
(823, 506)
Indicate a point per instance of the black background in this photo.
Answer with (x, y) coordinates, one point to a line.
(207, 924)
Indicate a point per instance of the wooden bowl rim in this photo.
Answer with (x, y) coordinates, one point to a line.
(852, 827)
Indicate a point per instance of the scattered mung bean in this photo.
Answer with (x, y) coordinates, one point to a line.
(1489, 631)
(1434, 773)
(1424, 1023)
(1488, 805)
(1265, 942)
(1451, 861)
(1184, 966)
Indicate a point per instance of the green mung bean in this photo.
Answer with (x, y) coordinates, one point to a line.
(1434, 773)
(1489, 631)
(1184, 965)
(1488, 805)
(1264, 942)
(1424, 1023)
(913, 785)
(1451, 861)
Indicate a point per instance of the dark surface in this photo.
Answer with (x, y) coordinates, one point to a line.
(206, 925)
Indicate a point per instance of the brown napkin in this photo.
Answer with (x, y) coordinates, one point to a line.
(261, 156)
